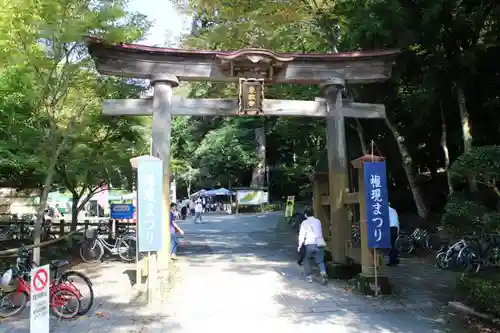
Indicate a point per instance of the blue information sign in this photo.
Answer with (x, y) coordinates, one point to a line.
(149, 204)
(377, 205)
(121, 211)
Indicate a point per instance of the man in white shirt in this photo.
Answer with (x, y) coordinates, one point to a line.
(394, 223)
(311, 238)
(198, 209)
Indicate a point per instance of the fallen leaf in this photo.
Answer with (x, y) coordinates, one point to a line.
(102, 315)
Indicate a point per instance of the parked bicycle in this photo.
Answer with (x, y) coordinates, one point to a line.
(76, 281)
(449, 258)
(480, 253)
(64, 298)
(355, 233)
(93, 248)
(418, 239)
(46, 234)
(7, 233)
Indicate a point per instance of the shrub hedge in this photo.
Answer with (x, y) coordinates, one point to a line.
(481, 292)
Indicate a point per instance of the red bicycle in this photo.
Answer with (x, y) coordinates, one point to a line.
(84, 289)
(63, 300)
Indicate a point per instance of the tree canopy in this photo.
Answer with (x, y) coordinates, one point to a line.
(54, 96)
(441, 102)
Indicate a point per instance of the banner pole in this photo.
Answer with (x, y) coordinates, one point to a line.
(150, 280)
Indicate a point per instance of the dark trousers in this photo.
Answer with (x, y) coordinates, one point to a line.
(393, 252)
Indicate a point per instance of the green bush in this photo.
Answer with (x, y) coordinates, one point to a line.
(249, 208)
(462, 216)
(491, 222)
(482, 293)
(273, 207)
(477, 210)
(482, 162)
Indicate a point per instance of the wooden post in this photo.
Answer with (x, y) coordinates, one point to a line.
(319, 210)
(62, 224)
(366, 253)
(162, 129)
(337, 170)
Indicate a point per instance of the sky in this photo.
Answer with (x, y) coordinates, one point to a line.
(168, 22)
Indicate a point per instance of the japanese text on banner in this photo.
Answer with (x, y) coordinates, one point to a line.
(377, 205)
(149, 196)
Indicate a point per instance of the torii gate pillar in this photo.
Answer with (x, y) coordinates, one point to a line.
(161, 133)
(337, 170)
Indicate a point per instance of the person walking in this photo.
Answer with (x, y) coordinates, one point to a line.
(311, 238)
(198, 210)
(394, 224)
(174, 229)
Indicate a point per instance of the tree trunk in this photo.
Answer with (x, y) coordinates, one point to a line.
(188, 186)
(446, 153)
(466, 129)
(43, 203)
(74, 212)
(407, 166)
(361, 136)
(259, 172)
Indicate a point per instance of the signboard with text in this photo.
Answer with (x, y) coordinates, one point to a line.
(121, 211)
(39, 299)
(251, 97)
(149, 205)
(290, 200)
(251, 197)
(377, 205)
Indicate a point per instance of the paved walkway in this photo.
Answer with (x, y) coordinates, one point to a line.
(235, 273)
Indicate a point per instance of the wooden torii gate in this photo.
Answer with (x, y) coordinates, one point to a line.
(252, 68)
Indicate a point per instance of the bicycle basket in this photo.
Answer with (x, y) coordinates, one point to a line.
(91, 233)
(6, 278)
(7, 284)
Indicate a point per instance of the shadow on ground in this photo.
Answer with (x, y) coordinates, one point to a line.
(414, 308)
(107, 315)
(115, 308)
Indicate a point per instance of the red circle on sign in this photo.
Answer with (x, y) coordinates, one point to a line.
(40, 280)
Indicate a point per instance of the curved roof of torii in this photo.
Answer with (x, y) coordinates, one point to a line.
(141, 61)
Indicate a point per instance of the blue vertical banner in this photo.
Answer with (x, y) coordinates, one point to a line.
(377, 205)
(149, 204)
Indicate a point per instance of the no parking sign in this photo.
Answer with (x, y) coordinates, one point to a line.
(39, 294)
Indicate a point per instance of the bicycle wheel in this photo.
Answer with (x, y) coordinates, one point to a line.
(82, 286)
(463, 262)
(441, 261)
(404, 244)
(65, 303)
(468, 261)
(12, 303)
(441, 247)
(91, 251)
(126, 248)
